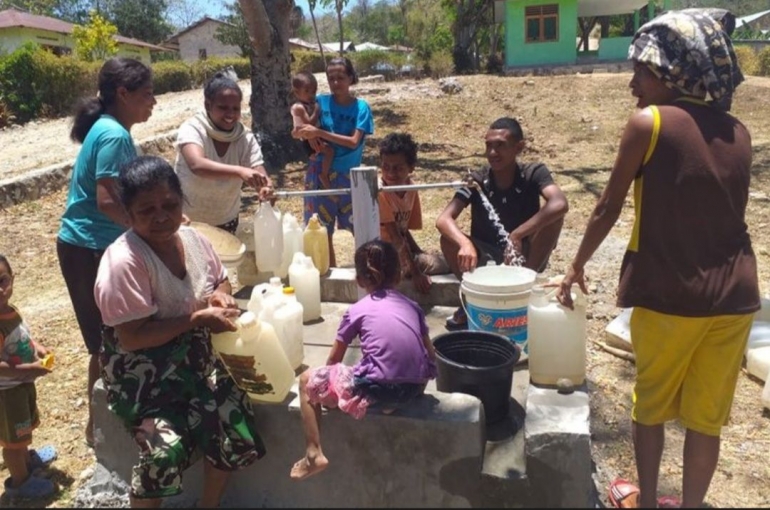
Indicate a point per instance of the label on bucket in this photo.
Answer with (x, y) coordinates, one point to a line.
(509, 323)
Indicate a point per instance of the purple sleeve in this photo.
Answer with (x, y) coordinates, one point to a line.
(348, 328)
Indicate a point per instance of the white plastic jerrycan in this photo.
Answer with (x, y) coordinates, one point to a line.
(255, 360)
(304, 277)
(287, 321)
(316, 244)
(262, 293)
(292, 242)
(557, 338)
(268, 238)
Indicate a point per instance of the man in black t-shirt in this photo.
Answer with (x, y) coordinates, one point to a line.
(513, 191)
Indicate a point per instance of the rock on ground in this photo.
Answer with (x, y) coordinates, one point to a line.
(450, 86)
(102, 489)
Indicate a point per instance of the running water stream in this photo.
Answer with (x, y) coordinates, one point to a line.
(511, 257)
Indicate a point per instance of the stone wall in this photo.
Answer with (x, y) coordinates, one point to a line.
(428, 454)
(51, 179)
(202, 37)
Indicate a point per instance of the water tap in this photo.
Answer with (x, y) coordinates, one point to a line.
(469, 180)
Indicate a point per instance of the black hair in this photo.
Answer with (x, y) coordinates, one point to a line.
(220, 81)
(510, 125)
(400, 143)
(4, 260)
(143, 174)
(377, 264)
(115, 73)
(303, 78)
(347, 64)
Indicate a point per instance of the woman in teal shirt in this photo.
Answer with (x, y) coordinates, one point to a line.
(94, 218)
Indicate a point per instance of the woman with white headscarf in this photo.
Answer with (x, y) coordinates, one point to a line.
(689, 271)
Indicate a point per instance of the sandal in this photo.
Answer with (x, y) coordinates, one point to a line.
(41, 458)
(669, 502)
(457, 321)
(33, 488)
(623, 494)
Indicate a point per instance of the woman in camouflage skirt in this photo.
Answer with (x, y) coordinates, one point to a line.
(162, 291)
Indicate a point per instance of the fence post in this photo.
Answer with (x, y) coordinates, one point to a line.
(366, 209)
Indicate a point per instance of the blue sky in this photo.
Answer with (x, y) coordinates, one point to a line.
(216, 8)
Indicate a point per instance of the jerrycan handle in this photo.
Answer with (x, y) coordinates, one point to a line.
(579, 300)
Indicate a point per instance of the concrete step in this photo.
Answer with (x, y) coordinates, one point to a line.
(339, 285)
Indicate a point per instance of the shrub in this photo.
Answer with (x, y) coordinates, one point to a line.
(388, 62)
(309, 61)
(764, 62)
(441, 64)
(748, 59)
(34, 82)
(66, 80)
(202, 70)
(6, 117)
(18, 77)
(171, 76)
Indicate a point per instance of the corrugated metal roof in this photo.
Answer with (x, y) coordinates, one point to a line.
(14, 18)
(173, 38)
(739, 22)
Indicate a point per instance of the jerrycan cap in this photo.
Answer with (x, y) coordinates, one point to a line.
(314, 223)
(248, 320)
(288, 290)
(275, 280)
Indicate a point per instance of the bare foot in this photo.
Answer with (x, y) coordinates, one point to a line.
(308, 466)
(388, 410)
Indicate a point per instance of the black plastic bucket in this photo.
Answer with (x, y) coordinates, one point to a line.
(477, 363)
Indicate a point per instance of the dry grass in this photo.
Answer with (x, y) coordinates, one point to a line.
(573, 124)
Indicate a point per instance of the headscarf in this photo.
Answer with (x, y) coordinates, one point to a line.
(218, 134)
(691, 51)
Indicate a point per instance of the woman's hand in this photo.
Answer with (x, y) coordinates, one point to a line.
(216, 318)
(564, 294)
(267, 194)
(254, 178)
(222, 300)
(308, 132)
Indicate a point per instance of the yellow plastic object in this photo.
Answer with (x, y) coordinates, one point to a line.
(288, 290)
(47, 362)
(316, 244)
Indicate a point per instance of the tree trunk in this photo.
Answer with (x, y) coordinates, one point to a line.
(339, 23)
(317, 37)
(268, 25)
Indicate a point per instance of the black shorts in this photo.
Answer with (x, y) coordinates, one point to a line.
(78, 267)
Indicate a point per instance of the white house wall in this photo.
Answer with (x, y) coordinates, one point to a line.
(202, 37)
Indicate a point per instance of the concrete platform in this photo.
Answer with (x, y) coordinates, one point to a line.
(339, 286)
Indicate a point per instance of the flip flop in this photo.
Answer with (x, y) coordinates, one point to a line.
(41, 457)
(669, 502)
(33, 488)
(620, 491)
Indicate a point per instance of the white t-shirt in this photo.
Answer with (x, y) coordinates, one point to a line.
(215, 201)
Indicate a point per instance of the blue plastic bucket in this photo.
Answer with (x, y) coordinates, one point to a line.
(495, 299)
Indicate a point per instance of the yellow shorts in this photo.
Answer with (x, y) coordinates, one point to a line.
(687, 368)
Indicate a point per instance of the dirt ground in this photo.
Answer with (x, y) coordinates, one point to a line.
(573, 124)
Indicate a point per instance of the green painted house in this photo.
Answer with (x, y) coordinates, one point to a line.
(547, 32)
(18, 28)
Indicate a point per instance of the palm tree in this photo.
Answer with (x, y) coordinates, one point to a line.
(311, 4)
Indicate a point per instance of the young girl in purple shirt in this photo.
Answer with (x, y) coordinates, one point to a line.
(397, 360)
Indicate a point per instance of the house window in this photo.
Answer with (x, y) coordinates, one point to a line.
(542, 23)
(202, 54)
